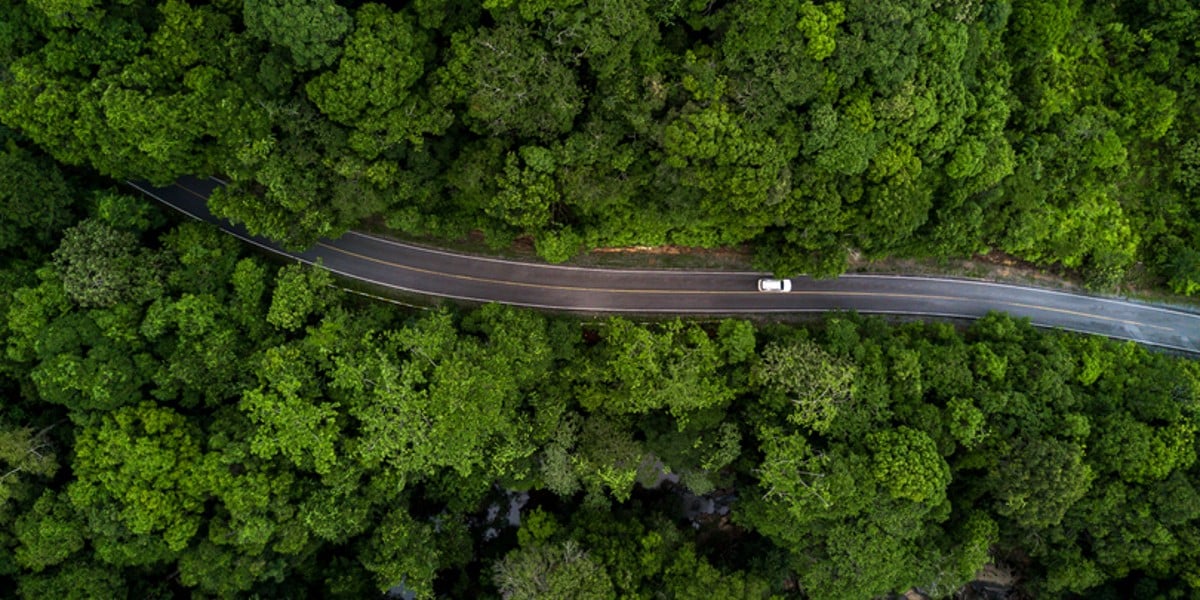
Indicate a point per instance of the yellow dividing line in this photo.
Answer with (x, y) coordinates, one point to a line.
(708, 292)
(191, 191)
(540, 286)
(490, 280)
(1083, 314)
(616, 291)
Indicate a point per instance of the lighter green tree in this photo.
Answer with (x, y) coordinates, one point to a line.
(816, 384)
(145, 464)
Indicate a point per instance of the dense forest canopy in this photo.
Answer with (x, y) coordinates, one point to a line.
(1057, 131)
(182, 418)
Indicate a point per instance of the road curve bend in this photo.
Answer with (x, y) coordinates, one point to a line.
(436, 272)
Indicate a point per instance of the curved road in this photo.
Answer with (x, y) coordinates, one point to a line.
(439, 273)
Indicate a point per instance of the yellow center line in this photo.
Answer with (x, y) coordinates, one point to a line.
(490, 280)
(1083, 314)
(192, 192)
(575, 288)
(714, 292)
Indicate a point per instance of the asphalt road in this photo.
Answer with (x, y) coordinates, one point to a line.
(450, 275)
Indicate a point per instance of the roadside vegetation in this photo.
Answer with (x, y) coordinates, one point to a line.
(1059, 132)
(182, 417)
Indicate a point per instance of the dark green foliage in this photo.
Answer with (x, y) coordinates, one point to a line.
(181, 419)
(1057, 131)
(1040, 480)
(371, 89)
(233, 428)
(511, 83)
(34, 201)
(310, 31)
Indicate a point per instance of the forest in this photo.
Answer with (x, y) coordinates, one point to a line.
(183, 418)
(1058, 132)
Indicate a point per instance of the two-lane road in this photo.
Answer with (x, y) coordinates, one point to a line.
(450, 275)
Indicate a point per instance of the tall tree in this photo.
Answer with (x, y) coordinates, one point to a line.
(373, 90)
(310, 31)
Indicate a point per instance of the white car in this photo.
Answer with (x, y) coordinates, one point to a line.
(774, 285)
